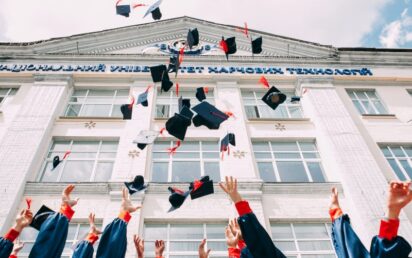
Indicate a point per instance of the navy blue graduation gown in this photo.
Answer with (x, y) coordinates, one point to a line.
(113, 241)
(348, 245)
(256, 238)
(83, 250)
(52, 236)
(6, 247)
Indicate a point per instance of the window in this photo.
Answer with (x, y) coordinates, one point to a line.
(6, 92)
(303, 240)
(256, 108)
(410, 92)
(367, 102)
(182, 240)
(288, 161)
(77, 232)
(167, 102)
(88, 161)
(99, 103)
(192, 160)
(400, 159)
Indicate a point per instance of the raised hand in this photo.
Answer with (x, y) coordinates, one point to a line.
(334, 199)
(230, 187)
(66, 196)
(17, 247)
(231, 240)
(93, 229)
(159, 248)
(202, 252)
(234, 227)
(23, 220)
(127, 203)
(139, 245)
(399, 196)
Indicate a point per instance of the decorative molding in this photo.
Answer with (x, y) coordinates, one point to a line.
(280, 127)
(89, 118)
(90, 125)
(239, 154)
(134, 154)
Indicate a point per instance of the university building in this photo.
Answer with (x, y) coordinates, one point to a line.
(351, 129)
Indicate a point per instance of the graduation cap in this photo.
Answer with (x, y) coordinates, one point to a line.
(201, 93)
(177, 198)
(229, 46)
(294, 99)
(200, 188)
(192, 38)
(166, 83)
(177, 125)
(224, 143)
(155, 11)
(57, 161)
(40, 217)
(142, 99)
(208, 115)
(183, 103)
(174, 64)
(126, 111)
(274, 97)
(158, 72)
(257, 45)
(136, 185)
(145, 137)
(123, 10)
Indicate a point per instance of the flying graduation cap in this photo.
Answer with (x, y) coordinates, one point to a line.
(208, 115)
(159, 74)
(228, 46)
(294, 99)
(177, 125)
(40, 217)
(142, 99)
(192, 38)
(175, 62)
(274, 97)
(183, 103)
(125, 9)
(127, 110)
(136, 185)
(229, 139)
(200, 188)
(154, 10)
(201, 93)
(177, 198)
(257, 45)
(145, 137)
(57, 160)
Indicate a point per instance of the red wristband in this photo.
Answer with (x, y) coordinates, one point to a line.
(243, 208)
(92, 238)
(12, 235)
(67, 211)
(241, 244)
(159, 256)
(12, 256)
(125, 216)
(389, 229)
(233, 252)
(335, 213)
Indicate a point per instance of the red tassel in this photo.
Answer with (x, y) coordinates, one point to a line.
(67, 153)
(181, 54)
(206, 90)
(196, 185)
(148, 88)
(244, 30)
(172, 150)
(224, 46)
(223, 155)
(162, 131)
(178, 190)
(177, 89)
(138, 5)
(118, 1)
(305, 90)
(230, 114)
(264, 81)
(228, 150)
(28, 201)
(132, 103)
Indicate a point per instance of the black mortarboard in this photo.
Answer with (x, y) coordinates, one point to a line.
(136, 186)
(155, 11)
(177, 125)
(40, 217)
(177, 198)
(145, 137)
(294, 99)
(183, 103)
(186, 112)
(208, 115)
(166, 83)
(123, 10)
(56, 161)
(192, 38)
(200, 94)
(127, 110)
(257, 45)
(228, 139)
(274, 97)
(202, 187)
(229, 46)
(158, 72)
(142, 99)
(174, 64)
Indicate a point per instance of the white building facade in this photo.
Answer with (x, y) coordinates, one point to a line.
(352, 129)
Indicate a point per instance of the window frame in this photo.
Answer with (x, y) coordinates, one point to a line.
(258, 104)
(273, 160)
(357, 99)
(62, 165)
(12, 91)
(397, 159)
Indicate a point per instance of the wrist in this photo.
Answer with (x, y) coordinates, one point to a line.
(18, 228)
(159, 254)
(393, 214)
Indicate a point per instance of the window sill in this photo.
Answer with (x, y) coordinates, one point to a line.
(379, 116)
(88, 118)
(161, 118)
(279, 119)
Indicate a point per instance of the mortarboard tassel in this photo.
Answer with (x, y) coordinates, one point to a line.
(264, 82)
(132, 103)
(138, 5)
(118, 1)
(148, 88)
(177, 89)
(206, 90)
(162, 131)
(223, 46)
(230, 114)
(305, 90)
(28, 201)
(244, 30)
(172, 150)
(67, 153)
(197, 184)
(177, 190)
(181, 54)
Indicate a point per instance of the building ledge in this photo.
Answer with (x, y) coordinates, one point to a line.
(279, 120)
(161, 118)
(88, 118)
(379, 116)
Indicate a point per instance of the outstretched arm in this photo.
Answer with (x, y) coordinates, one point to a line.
(85, 248)
(16, 249)
(202, 252)
(139, 245)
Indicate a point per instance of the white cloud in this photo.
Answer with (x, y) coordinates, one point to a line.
(338, 22)
(397, 33)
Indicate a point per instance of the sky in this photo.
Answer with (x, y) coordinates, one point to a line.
(341, 23)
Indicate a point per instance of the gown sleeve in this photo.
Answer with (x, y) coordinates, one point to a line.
(257, 240)
(388, 244)
(52, 236)
(113, 242)
(85, 248)
(6, 243)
